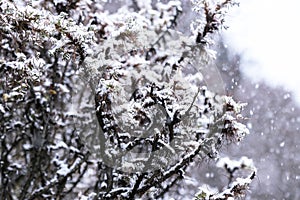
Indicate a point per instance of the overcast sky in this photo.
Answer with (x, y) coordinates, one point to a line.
(267, 32)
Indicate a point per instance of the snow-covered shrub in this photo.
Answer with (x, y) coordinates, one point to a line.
(98, 104)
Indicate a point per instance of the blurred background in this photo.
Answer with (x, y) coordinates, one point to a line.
(265, 35)
(259, 64)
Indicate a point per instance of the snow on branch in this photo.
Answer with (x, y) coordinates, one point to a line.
(236, 188)
(107, 102)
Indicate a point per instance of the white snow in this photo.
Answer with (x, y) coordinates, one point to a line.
(267, 34)
(282, 144)
(63, 88)
(232, 164)
(63, 169)
(2, 108)
(27, 146)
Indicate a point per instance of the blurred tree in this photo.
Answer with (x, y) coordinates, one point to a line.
(273, 118)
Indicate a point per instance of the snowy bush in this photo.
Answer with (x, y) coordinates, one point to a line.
(97, 104)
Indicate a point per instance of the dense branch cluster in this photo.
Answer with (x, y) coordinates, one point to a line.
(100, 105)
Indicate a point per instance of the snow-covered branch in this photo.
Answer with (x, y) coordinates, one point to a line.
(236, 188)
(107, 102)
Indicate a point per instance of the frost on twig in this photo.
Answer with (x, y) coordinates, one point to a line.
(236, 187)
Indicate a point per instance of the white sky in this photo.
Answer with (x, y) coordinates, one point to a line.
(267, 32)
